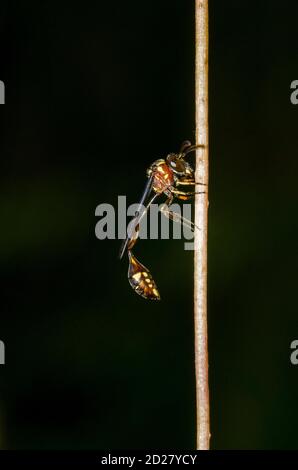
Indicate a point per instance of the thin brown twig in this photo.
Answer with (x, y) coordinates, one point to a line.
(201, 220)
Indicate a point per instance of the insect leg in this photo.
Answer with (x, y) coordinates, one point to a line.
(188, 183)
(175, 216)
(185, 195)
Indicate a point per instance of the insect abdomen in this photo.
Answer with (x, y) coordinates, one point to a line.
(141, 279)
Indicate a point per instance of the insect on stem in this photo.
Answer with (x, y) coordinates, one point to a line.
(174, 178)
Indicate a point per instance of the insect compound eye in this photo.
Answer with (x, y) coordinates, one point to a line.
(177, 165)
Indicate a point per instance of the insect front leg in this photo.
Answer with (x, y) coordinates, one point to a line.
(185, 195)
(189, 183)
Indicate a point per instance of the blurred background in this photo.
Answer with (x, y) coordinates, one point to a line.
(94, 93)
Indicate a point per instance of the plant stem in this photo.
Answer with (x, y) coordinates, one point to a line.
(201, 220)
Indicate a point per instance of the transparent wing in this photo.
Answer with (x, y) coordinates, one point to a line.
(133, 227)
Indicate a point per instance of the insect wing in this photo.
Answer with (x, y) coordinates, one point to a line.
(133, 226)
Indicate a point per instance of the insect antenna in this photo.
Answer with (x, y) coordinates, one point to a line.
(190, 149)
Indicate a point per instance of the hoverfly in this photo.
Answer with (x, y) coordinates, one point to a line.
(175, 178)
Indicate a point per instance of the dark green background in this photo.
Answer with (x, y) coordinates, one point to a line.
(95, 91)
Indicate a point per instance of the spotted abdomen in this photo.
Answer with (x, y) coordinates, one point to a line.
(141, 279)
